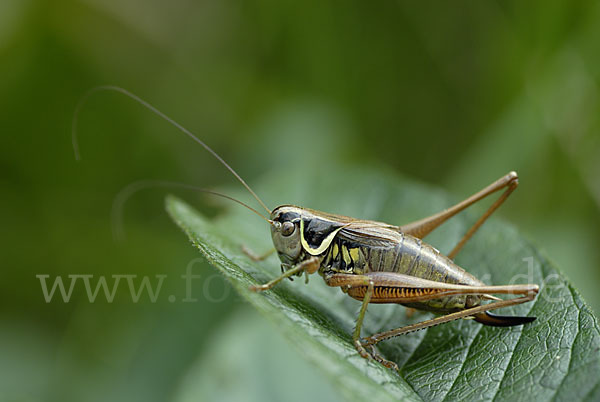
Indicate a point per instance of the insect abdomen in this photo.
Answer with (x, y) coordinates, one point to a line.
(410, 256)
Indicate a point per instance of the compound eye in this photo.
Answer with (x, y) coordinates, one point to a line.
(287, 228)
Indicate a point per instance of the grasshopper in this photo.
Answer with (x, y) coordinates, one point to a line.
(375, 262)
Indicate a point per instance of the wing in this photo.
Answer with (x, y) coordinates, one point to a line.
(349, 220)
(371, 232)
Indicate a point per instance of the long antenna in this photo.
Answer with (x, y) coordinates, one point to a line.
(136, 98)
(125, 193)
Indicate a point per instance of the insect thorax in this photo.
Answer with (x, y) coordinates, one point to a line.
(344, 256)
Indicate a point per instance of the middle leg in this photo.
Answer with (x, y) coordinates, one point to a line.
(356, 339)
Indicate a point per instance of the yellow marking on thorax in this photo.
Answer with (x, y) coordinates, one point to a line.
(328, 258)
(346, 255)
(324, 244)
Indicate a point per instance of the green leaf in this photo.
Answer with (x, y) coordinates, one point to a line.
(555, 357)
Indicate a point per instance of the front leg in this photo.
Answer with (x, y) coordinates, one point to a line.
(310, 266)
(256, 257)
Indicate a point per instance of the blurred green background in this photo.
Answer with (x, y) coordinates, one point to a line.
(453, 94)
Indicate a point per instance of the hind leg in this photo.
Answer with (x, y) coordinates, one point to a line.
(423, 227)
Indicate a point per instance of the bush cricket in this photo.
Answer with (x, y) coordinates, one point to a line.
(376, 262)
